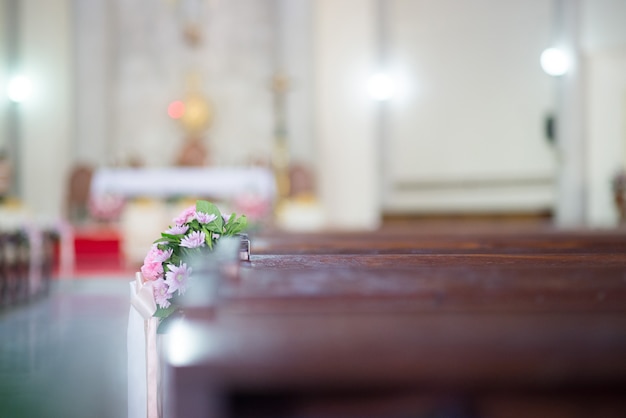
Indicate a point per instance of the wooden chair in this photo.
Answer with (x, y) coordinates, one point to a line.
(4, 281)
(79, 185)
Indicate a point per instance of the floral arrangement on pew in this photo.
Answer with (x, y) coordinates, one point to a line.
(195, 231)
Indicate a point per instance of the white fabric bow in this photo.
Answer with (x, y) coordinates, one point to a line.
(143, 297)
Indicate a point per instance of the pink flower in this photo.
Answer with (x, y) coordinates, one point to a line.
(186, 216)
(161, 294)
(156, 255)
(176, 278)
(152, 271)
(193, 240)
(205, 218)
(152, 268)
(177, 229)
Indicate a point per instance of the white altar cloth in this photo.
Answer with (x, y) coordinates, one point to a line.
(214, 182)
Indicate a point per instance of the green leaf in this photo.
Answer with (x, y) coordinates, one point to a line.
(216, 226)
(238, 225)
(164, 325)
(207, 207)
(171, 237)
(165, 312)
(207, 233)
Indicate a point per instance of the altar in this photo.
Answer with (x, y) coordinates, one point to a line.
(219, 183)
(153, 196)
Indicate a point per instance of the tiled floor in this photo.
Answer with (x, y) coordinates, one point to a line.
(64, 355)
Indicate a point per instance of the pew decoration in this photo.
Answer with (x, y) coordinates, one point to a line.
(167, 267)
(176, 262)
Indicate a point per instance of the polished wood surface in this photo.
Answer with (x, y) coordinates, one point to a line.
(429, 239)
(414, 323)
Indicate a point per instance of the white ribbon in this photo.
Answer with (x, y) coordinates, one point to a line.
(143, 297)
(143, 359)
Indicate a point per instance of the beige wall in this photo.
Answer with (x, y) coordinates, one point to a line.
(606, 131)
(604, 55)
(467, 133)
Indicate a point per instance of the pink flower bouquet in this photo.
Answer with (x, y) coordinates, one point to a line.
(195, 231)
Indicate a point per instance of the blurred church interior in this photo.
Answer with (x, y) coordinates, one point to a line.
(357, 112)
(309, 116)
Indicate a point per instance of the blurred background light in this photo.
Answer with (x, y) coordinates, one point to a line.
(19, 89)
(555, 61)
(381, 87)
(176, 109)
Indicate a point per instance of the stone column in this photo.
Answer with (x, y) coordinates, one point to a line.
(570, 135)
(345, 117)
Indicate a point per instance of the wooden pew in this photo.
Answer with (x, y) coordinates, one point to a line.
(418, 241)
(402, 324)
(26, 264)
(14, 286)
(4, 272)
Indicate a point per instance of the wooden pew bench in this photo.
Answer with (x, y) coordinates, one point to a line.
(358, 325)
(418, 241)
(26, 264)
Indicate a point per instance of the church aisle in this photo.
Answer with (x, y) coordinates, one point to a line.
(64, 355)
